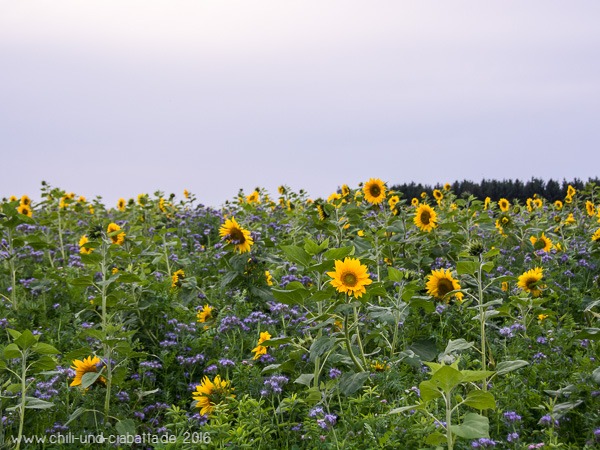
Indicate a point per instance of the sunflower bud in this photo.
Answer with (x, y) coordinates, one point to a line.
(557, 219)
(517, 209)
(95, 232)
(475, 247)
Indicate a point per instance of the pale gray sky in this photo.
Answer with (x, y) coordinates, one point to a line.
(115, 98)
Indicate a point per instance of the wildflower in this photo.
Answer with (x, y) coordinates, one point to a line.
(25, 200)
(334, 373)
(571, 191)
(269, 278)
(425, 218)
(83, 250)
(440, 282)
(260, 350)
(350, 276)
(379, 367)
(235, 234)
(205, 315)
(116, 238)
(447, 187)
(209, 394)
(374, 191)
(542, 317)
(528, 281)
(88, 365)
(177, 278)
(504, 286)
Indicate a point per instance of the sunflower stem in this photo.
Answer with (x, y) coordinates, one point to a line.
(23, 397)
(349, 345)
(358, 339)
(106, 347)
(482, 320)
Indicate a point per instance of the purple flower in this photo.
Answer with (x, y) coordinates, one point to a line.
(334, 373)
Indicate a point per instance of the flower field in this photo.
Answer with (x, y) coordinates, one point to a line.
(365, 320)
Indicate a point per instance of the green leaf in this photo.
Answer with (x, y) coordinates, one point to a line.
(505, 367)
(125, 427)
(91, 258)
(305, 379)
(561, 409)
(313, 248)
(82, 281)
(350, 383)
(596, 375)
(128, 278)
(297, 255)
(321, 346)
(457, 345)
(277, 341)
(45, 349)
(395, 274)
(429, 391)
(338, 253)
(487, 267)
(36, 403)
(292, 296)
(44, 363)
(405, 408)
(26, 340)
(466, 267)
(589, 333)
(12, 351)
(447, 378)
(480, 400)
(470, 376)
(424, 348)
(473, 426)
(435, 438)
(89, 378)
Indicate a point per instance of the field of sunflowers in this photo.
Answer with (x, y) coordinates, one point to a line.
(362, 321)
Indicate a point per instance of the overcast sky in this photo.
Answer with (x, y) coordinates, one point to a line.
(115, 98)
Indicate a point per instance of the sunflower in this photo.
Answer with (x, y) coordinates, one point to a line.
(570, 220)
(345, 190)
(142, 199)
(503, 204)
(91, 209)
(177, 278)
(374, 191)
(558, 205)
(528, 281)
(253, 198)
(260, 350)
(393, 201)
(569, 199)
(25, 210)
(205, 315)
(234, 234)
(486, 203)
(447, 187)
(350, 276)
(530, 204)
(414, 201)
(596, 235)
(571, 191)
(12, 198)
(269, 278)
(81, 199)
(25, 200)
(162, 205)
(121, 204)
(591, 209)
(186, 193)
(538, 203)
(438, 195)
(117, 239)
(89, 364)
(541, 243)
(379, 367)
(440, 282)
(334, 197)
(425, 218)
(209, 394)
(83, 250)
(321, 211)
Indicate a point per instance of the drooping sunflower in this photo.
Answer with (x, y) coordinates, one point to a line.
(528, 282)
(503, 204)
(234, 234)
(321, 211)
(486, 203)
(440, 282)
(425, 218)
(350, 276)
(590, 208)
(374, 191)
(260, 350)
(541, 243)
(596, 235)
(205, 315)
(121, 204)
(25, 210)
(177, 278)
(83, 250)
(209, 394)
(117, 239)
(89, 364)
(345, 190)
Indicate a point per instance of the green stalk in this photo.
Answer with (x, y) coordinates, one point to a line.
(106, 347)
(349, 345)
(23, 392)
(358, 339)
(482, 320)
(449, 439)
(60, 239)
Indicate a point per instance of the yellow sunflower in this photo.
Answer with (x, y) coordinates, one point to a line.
(414, 201)
(25, 200)
(269, 278)
(503, 204)
(374, 191)
(121, 204)
(569, 199)
(177, 278)
(186, 193)
(260, 350)
(235, 234)
(486, 203)
(25, 210)
(117, 239)
(89, 364)
(538, 203)
(393, 201)
(558, 205)
(528, 281)
(447, 187)
(425, 218)
(596, 235)
(345, 190)
(379, 367)
(438, 195)
(350, 276)
(541, 243)
(209, 394)
(205, 315)
(81, 199)
(321, 211)
(590, 208)
(253, 198)
(570, 220)
(571, 191)
(85, 251)
(440, 282)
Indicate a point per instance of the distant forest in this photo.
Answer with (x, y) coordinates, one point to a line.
(510, 189)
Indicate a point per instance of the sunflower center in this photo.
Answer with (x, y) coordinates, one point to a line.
(236, 235)
(425, 217)
(530, 283)
(375, 190)
(349, 279)
(444, 286)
